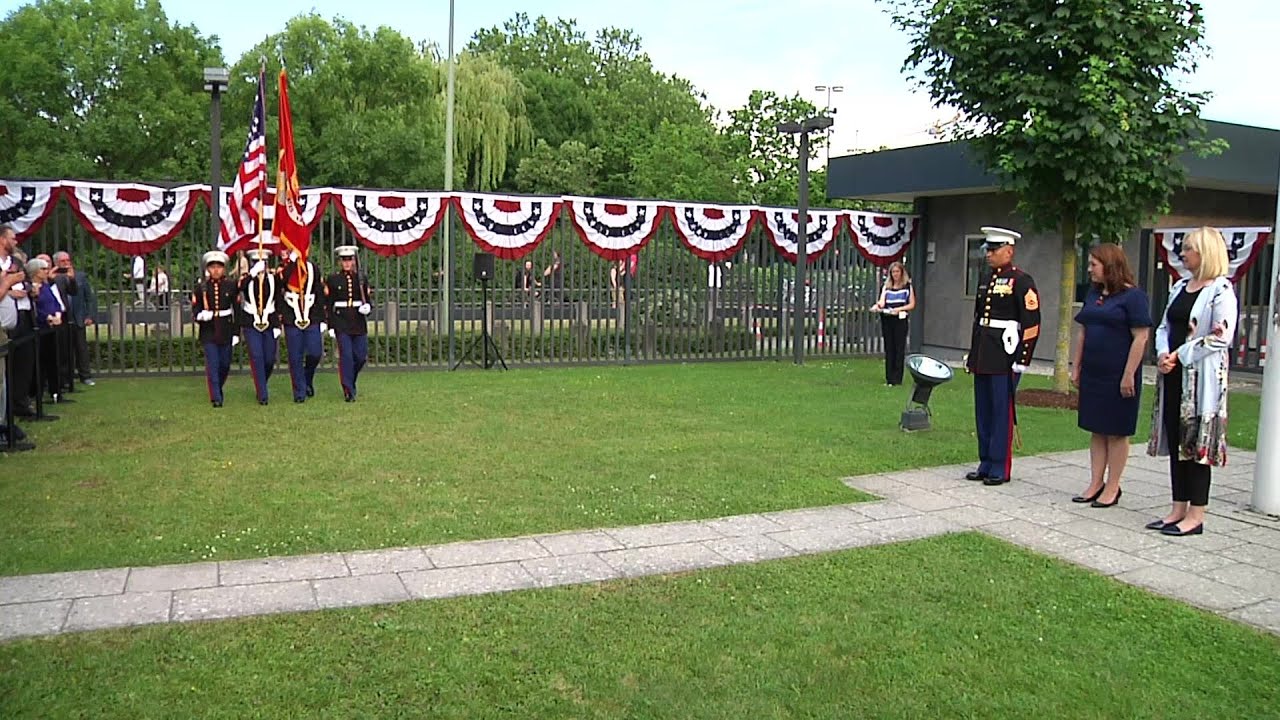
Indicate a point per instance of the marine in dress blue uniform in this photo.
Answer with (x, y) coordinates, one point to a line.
(302, 314)
(348, 301)
(260, 320)
(213, 305)
(1006, 326)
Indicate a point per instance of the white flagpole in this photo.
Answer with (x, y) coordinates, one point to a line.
(1266, 473)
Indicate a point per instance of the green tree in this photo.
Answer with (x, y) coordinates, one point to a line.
(107, 89)
(571, 169)
(1075, 106)
(685, 162)
(767, 166)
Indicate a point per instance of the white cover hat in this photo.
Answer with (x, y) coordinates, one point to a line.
(215, 256)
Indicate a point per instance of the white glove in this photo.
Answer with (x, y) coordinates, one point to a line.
(293, 255)
(1019, 368)
(204, 316)
(365, 308)
(257, 269)
(276, 333)
(235, 340)
(332, 335)
(324, 328)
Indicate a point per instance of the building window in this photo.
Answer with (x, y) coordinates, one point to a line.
(975, 263)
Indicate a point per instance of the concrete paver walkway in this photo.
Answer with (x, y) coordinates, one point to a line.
(1233, 570)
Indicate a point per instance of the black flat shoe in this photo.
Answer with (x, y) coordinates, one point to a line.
(217, 404)
(974, 475)
(299, 400)
(1174, 530)
(995, 481)
(1088, 498)
(262, 402)
(1100, 504)
(1157, 524)
(311, 392)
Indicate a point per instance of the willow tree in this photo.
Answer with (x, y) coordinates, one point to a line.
(490, 120)
(1075, 106)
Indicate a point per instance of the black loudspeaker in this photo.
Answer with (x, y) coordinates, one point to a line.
(482, 266)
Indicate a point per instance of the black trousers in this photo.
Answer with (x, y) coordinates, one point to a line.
(80, 343)
(22, 362)
(49, 372)
(66, 357)
(1190, 479)
(894, 330)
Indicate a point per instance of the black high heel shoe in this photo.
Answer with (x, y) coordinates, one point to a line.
(1100, 504)
(1089, 498)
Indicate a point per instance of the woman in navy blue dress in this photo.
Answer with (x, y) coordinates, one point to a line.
(1115, 325)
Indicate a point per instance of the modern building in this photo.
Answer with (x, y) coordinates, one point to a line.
(955, 196)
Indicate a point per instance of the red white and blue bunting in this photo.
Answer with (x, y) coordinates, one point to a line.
(313, 201)
(133, 219)
(782, 225)
(391, 223)
(714, 233)
(24, 206)
(509, 226)
(1244, 244)
(882, 239)
(615, 229)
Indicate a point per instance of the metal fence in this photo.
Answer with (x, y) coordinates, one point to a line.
(673, 307)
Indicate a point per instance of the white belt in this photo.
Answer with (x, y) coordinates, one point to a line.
(345, 304)
(253, 310)
(224, 313)
(1003, 324)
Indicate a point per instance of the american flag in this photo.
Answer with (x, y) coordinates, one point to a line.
(240, 215)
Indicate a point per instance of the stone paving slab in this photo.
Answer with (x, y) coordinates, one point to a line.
(271, 570)
(239, 600)
(164, 578)
(1234, 569)
(110, 611)
(361, 590)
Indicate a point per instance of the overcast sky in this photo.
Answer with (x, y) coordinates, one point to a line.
(729, 48)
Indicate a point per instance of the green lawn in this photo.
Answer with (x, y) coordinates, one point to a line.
(143, 471)
(962, 626)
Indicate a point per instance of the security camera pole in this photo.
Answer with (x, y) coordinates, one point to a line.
(1266, 473)
(798, 305)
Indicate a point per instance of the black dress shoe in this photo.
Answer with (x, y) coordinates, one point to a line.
(1157, 524)
(349, 398)
(217, 403)
(1174, 530)
(1088, 498)
(974, 475)
(1100, 504)
(311, 392)
(262, 402)
(299, 400)
(995, 481)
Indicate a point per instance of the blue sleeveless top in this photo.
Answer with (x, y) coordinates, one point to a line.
(897, 298)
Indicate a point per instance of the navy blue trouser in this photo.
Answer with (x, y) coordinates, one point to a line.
(262, 349)
(305, 348)
(217, 366)
(995, 416)
(353, 351)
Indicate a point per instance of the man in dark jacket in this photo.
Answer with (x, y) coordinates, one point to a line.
(84, 307)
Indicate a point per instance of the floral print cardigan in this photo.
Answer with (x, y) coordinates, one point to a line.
(1203, 360)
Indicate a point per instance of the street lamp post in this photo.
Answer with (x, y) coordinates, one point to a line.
(828, 110)
(798, 305)
(215, 81)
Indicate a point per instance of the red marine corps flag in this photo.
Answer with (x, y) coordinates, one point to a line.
(289, 226)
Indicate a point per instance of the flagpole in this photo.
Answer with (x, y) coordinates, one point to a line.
(1266, 470)
(448, 188)
(262, 186)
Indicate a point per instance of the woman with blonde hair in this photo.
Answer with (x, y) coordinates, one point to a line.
(897, 298)
(1189, 423)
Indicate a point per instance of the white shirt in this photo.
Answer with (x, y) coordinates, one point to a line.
(25, 302)
(139, 268)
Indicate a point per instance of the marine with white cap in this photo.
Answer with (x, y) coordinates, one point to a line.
(260, 320)
(348, 295)
(302, 313)
(1006, 325)
(213, 304)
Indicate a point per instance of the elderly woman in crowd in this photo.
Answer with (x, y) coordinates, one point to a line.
(50, 308)
(1190, 419)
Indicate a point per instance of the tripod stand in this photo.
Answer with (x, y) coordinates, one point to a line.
(485, 341)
